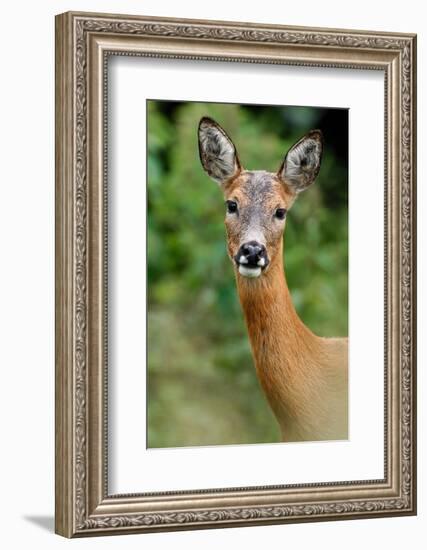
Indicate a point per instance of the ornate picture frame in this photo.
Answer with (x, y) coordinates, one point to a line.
(84, 42)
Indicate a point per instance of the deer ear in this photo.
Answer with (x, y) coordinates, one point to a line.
(302, 162)
(217, 152)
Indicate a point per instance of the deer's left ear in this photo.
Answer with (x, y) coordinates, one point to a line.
(302, 162)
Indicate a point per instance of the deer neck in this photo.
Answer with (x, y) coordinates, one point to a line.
(285, 351)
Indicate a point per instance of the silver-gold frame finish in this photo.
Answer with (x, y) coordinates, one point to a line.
(84, 42)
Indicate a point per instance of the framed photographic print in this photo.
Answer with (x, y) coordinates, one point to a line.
(235, 274)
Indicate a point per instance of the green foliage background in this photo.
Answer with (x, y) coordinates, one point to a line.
(202, 388)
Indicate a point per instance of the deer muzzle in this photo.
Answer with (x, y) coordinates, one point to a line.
(251, 259)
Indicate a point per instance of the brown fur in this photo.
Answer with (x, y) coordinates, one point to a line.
(303, 376)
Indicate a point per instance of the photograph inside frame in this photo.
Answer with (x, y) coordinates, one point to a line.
(247, 281)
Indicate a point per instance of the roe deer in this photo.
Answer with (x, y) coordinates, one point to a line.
(304, 376)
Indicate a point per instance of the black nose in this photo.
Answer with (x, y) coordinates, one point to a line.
(252, 254)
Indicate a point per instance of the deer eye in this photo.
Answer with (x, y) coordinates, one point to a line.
(231, 206)
(280, 213)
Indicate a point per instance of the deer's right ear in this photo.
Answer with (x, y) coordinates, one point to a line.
(217, 152)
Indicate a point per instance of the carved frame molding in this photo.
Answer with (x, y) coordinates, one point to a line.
(83, 43)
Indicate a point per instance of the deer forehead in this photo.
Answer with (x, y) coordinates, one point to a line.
(259, 189)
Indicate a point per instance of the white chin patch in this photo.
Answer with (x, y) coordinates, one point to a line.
(252, 273)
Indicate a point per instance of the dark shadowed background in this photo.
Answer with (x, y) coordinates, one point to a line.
(202, 387)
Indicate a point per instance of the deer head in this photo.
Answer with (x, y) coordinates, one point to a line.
(257, 201)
